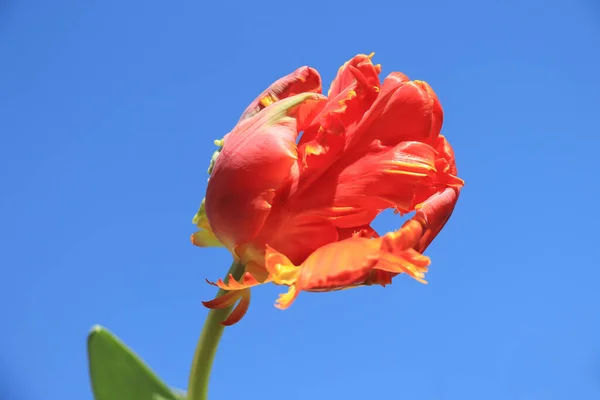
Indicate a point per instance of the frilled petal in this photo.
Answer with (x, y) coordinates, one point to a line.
(350, 263)
(347, 74)
(357, 261)
(255, 161)
(300, 215)
(404, 111)
(302, 80)
(247, 281)
(351, 94)
(446, 163)
(229, 299)
(354, 191)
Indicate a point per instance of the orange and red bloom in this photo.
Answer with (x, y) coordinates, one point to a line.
(298, 181)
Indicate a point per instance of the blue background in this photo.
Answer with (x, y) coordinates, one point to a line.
(108, 110)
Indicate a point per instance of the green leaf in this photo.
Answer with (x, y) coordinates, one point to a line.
(117, 373)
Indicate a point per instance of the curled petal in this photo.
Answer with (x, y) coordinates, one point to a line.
(302, 80)
(229, 299)
(242, 308)
(254, 163)
(223, 301)
(435, 212)
(352, 262)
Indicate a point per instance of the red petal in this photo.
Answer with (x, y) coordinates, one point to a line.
(362, 187)
(356, 261)
(435, 211)
(302, 80)
(445, 162)
(403, 111)
(352, 92)
(365, 231)
(347, 74)
(300, 235)
(255, 162)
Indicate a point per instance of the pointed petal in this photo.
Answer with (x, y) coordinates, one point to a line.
(247, 281)
(223, 301)
(238, 312)
(302, 80)
(228, 300)
(255, 161)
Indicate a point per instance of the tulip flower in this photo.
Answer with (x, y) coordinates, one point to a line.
(295, 186)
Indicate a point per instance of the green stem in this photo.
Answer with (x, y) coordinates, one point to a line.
(208, 343)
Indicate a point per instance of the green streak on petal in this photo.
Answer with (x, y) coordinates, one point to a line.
(282, 108)
(205, 236)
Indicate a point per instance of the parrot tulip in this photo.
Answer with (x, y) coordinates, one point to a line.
(296, 184)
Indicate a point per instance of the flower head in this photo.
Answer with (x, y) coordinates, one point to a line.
(298, 181)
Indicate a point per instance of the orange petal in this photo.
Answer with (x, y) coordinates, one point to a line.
(247, 281)
(242, 308)
(302, 80)
(352, 262)
(228, 300)
(254, 163)
(410, 262)
(223, 301)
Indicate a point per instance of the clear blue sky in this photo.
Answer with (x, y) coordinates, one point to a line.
(108, 110)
